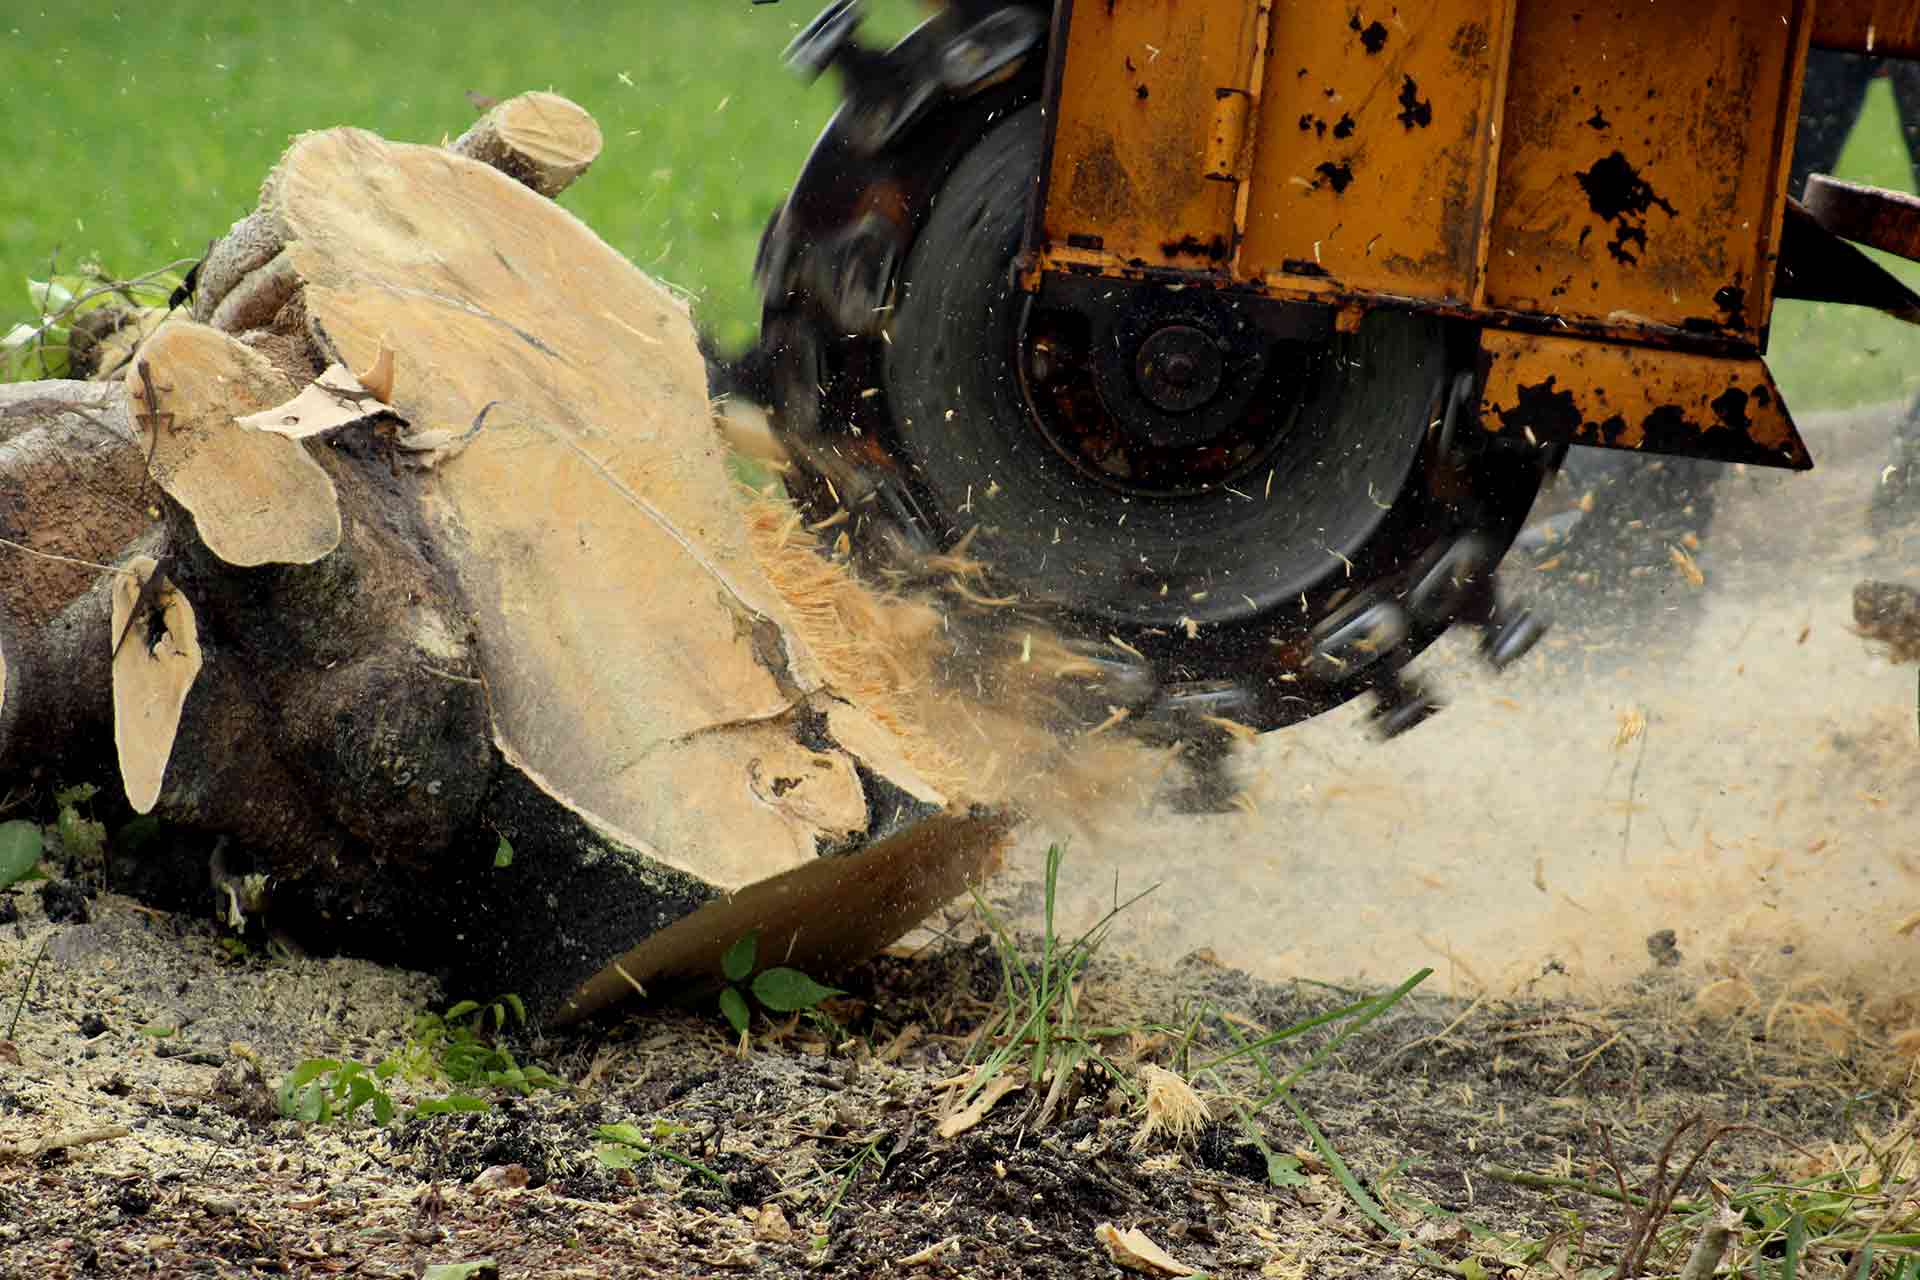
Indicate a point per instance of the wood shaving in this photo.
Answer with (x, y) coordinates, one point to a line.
(1131, 1250)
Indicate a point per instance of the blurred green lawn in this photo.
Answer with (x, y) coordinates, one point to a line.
(136, 135)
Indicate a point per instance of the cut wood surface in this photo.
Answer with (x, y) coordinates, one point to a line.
(540, 139)
(492, 673)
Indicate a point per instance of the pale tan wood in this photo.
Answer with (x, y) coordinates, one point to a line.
(537, 138)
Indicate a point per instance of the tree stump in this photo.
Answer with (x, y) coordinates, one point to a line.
(455, 638)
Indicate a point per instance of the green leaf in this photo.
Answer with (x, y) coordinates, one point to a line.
(20, 845)
(451, 1103)
(383, 1109)
(485, 1269)
(627, 1133)
(159, 1032)
(789, 990)
(1796, 1245)
(734, 1006)
(618, 1155)
(308, 1105)
(513, 1002)
(503, 853)
(68, 797)
(1284, 1171)
(461, 1010)
(360, 1091)
(49, 295)
(738, 962)
(311, 1069)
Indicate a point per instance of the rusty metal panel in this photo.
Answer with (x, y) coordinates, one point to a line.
(1614, 395)
(1889, 27)
(1136, 133)
(1642, 172)
(1373, 165)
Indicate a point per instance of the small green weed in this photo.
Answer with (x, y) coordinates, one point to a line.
(1856, 1216)
(780, 989)
(21, 845)
(1039, 1017)
(73, 833)
(80, 836)
(62, 303)
(459, 1047)
(622, 1146)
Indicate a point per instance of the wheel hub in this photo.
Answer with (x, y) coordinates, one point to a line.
(1178, 370)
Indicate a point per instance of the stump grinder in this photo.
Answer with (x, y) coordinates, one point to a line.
(1233, 339)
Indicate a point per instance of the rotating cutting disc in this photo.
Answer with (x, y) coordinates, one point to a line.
(1239, 507)
(1102, 502)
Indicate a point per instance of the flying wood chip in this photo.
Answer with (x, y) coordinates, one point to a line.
(153, 672)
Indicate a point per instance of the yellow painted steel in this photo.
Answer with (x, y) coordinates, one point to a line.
(1623, 166)
(1613, 173)
(1136, 127)
(1643, 175)
(1374, 164)
(1624, 396)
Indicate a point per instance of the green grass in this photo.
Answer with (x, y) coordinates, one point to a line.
(137, 132)
(1826, 356)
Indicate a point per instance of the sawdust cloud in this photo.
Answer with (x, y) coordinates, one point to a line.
(1749, 786)
(994, 716)
(1732, 791)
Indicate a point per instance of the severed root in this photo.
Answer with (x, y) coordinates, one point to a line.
(1890, 614)
(61, 1142)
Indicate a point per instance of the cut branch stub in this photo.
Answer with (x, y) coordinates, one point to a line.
(255, 498)
(540, 139)
(153, 671)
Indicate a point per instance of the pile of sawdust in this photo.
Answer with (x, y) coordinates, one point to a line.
(983, 715)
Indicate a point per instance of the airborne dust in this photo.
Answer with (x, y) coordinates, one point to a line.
(1729, 786)
(1704, 765)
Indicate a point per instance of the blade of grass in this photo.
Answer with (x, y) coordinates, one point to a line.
(1358, 1194)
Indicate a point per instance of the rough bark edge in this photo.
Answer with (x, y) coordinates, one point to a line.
(540, 140)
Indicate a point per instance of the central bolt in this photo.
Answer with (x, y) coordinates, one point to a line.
(1178, 368)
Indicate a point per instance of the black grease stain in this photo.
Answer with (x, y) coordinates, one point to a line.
(1301, 267)
(1551, 415)
(1732, 301)
(1343, 128)
(1730, 408)
(1140, 92)
(1668, 430)
(1338, 176)
(1374, 38)
(1191, 246)
(1598, 123)
(1310, 123)
(1618, 194)
(1547, 414)
(1413, 111)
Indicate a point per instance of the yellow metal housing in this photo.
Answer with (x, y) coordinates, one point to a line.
(1610, 174)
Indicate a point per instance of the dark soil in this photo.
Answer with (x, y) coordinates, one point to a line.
(819, 1152)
